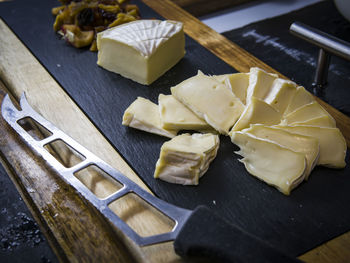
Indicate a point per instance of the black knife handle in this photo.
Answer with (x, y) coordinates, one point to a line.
(207, 235)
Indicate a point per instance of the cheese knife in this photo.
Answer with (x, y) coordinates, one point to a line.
(197, 234)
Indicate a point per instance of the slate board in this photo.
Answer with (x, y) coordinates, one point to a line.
(315, 212)
(270, 41)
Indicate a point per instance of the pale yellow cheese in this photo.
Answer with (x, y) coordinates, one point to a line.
(239, 84)
(210, 100)
(185, 158)
(300, 98)
(306, 145)
(270, 162)
(257, 111)
(331, 140)
(307, 112)
(142, 50)
(323, 121)
(143, 114)
(174, 115)
(281, 93)
(260, 83)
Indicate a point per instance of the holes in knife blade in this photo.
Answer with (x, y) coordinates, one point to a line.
(98, 181)
(143, 218)
(34, 129)
(64, 153)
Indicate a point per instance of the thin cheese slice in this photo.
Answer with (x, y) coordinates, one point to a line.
(185, 158)
(142, 50)
(257, 111)
(331, 140)
(239, 84)
(281, 94)
(300, 98)
(323, 121)
(175, 116)
(260, 83)
(306, 145)
(270, 162)
(307, 112)
(143, 114)
(210, 100)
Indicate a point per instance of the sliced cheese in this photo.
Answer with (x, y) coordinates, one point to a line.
(306, 145)
(323, 121)
(239, 84)
(281, 94)
(260, 83)
(210, 100)
(331, 140)
(300, 98)
(143, 114)
(270, 162)
(257, 111)
(307, 112)
(185, 158)
(175, 116)
(142, 50)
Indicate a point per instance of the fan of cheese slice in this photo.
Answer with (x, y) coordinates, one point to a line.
(185, 158)
(141, 50)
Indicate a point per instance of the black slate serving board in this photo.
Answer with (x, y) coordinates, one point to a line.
(315, 212)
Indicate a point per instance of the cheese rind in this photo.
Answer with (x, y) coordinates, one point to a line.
(270, 162)
(257, 111)
(209, 100)
(141, 50)
(306, 145)
(174, 115)
(143, 114)
(185, 158)
(331, 140)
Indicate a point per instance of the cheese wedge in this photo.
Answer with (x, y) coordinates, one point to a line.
(307, 112)
(209, 100)
(239, 84)
(143, 114)
(300, 98)
(270, 162)
(257, 111)
(323, 121)
(281, 94)
(185, 158)
(141, 50)
(331, 140)
(175, 116)
(306, 145)
(260, 83)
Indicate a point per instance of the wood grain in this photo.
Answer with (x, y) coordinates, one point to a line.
(21, 72)
(229, 52)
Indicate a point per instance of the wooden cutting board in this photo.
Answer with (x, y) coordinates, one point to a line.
(55, 105)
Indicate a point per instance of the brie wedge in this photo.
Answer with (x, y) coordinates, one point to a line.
(174, 115)
(185, 158)
(270, 162)
(143, 114)
(331, 140)
(238, 83)
(141, 50)
(300, 98)
(210, 100)
(306, 145)
(323, 121)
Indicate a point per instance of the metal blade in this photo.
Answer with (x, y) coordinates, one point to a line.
(177, 214)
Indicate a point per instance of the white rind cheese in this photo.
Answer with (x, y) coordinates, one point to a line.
(270, 162)
(210, 100)
(141, 50)
(239, 84)
(323, 121)
(300, 98)
(143, 114)
(331, 140)
(307, 145)
(185, 158)
(175, 116)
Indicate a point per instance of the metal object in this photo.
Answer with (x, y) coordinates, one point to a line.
(178, 215)
(328, 45)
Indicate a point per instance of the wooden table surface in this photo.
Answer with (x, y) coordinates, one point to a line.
(73, 228)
